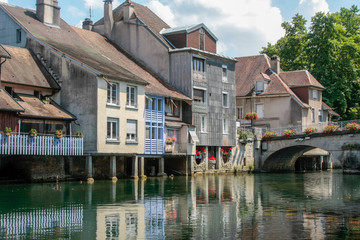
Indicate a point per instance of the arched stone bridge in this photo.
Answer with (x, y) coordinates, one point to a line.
(280, 154)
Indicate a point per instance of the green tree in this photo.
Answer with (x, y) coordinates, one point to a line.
(330, 50)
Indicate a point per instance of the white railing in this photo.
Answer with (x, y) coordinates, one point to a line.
(41, 145)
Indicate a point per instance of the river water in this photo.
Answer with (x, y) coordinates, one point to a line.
(321, 205)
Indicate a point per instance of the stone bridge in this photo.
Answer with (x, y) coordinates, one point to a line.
(280, 154)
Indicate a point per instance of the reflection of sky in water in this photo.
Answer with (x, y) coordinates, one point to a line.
(277, 206)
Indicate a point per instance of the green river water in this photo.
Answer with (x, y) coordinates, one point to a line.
(319, 205)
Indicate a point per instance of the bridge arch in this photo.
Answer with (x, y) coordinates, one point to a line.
(284, 159)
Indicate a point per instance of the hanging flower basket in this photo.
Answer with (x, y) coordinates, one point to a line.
(251, 116)
(168, 140)
(59, 134)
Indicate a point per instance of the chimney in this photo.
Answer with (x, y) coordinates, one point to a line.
(275, 63)
(128, 10)
(108, 18)
(48, 11)
(87, 24)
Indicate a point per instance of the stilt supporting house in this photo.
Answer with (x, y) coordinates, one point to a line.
(161, 167)
(142, 168)
(135, 168)
(218, 157)
(89, 167)
(113, 167)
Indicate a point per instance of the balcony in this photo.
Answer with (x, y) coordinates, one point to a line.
(41, 145)
(182, 145)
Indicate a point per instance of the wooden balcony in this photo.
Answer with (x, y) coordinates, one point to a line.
(41, 145)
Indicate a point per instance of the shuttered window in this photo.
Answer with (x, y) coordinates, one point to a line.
(199, 95)
(198, 65)
(131, 131)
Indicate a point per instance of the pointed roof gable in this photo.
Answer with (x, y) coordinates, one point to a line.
(23, 69)
(154, 23)
(188, 29)
(300, 78)
(65, 40)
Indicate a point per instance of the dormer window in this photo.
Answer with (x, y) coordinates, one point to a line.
(260, 86)
(201, 39)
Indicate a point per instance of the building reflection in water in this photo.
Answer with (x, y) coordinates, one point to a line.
(309, 206)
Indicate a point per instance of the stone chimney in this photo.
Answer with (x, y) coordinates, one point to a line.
(87, 24)
(108, 18)
(128, 10)
(48, 11)
(275, 63)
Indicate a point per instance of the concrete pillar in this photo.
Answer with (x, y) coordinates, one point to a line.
(142, 167)
(191, 160)
(135, 173)
(161, 167)
(113, 167)
(206, 158)
(218, 157)
(89, 167)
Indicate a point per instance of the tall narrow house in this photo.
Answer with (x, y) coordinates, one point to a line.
(186, 58)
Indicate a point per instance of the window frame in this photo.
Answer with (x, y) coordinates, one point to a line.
(201, 61)
(315, 94)
(260, 116)
(320, 115)
(239, 116)
(129, 95)
(202, 39)
(204, 100)
(225, 125)
(225, 78)
(313, 115)
(203, 124)
(227, 105)
(18, 35)
(135, 138)
(117, 126)
(109, 100)
(179, 106)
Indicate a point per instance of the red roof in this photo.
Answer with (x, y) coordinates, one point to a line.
(300, 78)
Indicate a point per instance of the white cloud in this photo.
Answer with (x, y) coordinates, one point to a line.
(75, 12)
(99, 4)
(308, 8)
(4, 1)
(242, 26)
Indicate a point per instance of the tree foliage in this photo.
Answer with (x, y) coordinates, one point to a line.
(330, 50)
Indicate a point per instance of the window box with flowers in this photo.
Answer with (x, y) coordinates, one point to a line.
(169, 147)
(352, 127)
(269, 134)
(309, 131)
(251, 116)
(33, 132)
(330, 129)
(79, 135)
(289, 133)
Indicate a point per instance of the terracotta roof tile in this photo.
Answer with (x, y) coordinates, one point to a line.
(22, 69)
(7, 103)
(300, 78)
(34, 108)
(67, 41)
(119, 57)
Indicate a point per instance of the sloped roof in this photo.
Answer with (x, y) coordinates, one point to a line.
(7, 103)
(4, 53)
(23, 69)
(148, 17)
(120, 57)
(67, 41)
(330, 110)
(34, 108)
(300, 78)
(248, 69)
(187, 29)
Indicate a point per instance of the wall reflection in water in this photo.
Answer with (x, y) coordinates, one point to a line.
(287, 206)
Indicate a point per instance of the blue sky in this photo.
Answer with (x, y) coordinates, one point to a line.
(242, 26)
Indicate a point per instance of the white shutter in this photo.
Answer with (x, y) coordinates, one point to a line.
(260, 111)
(131, 127)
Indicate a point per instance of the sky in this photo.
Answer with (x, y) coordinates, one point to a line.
(243, 27)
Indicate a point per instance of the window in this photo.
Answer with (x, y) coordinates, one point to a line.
(261, 86)
(172, 108)
(315, 94)
(113, 94)
(131, 96)
(260, 110)
(224, 73)
(113, 129)
(37, 94)
(239, 113)
(148, 103)
(203, 124)
(313, 115)
(320, 116)
(173, 133)
(18, 35)
(225, 126)
(160, 105)
(225, 99)
(112, 223)
(131, 130)
(9, 91)
(198, 65)
(201, 39)
(199, 95)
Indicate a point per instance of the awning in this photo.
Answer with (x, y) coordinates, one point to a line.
(193, 135)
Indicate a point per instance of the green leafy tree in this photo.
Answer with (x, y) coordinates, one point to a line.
(330, 50)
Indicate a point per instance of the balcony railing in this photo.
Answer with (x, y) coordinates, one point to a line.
(41, 145)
